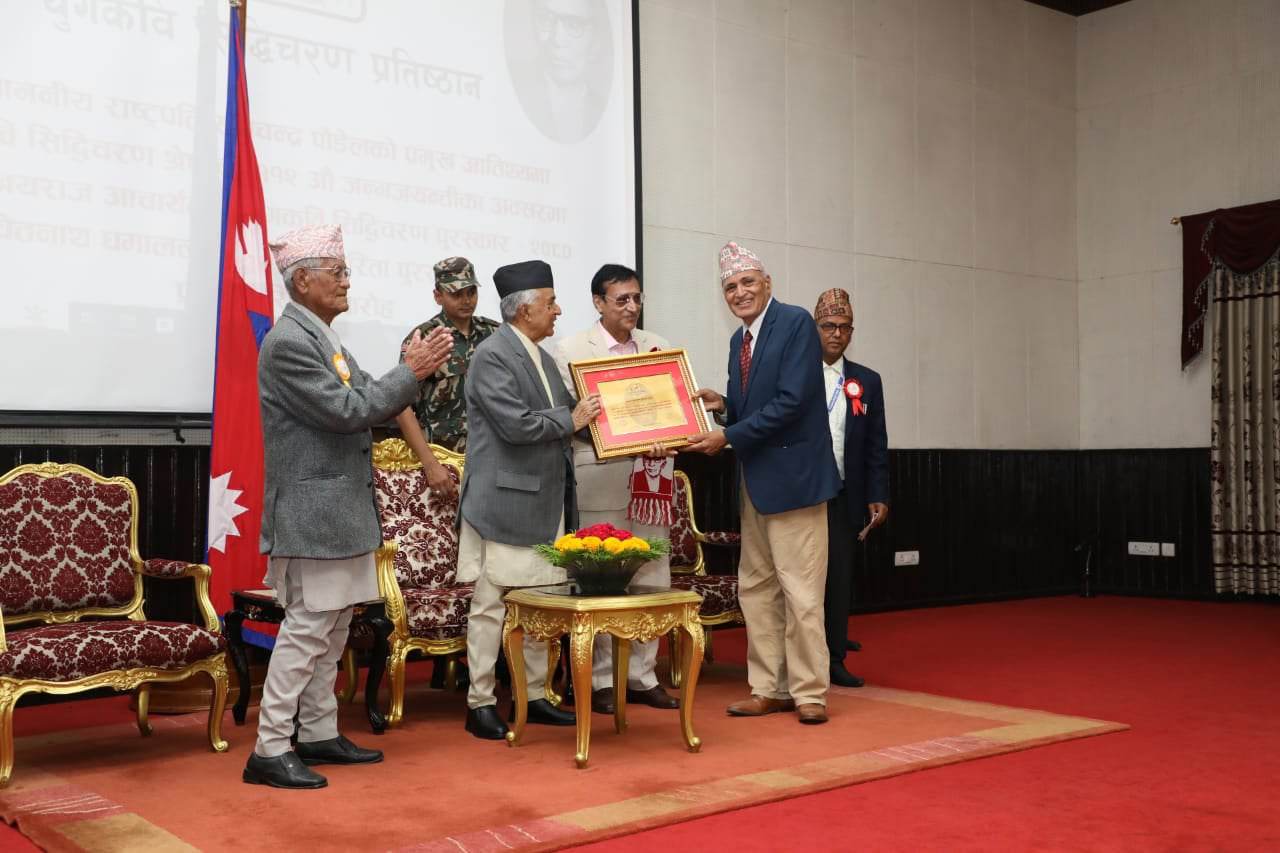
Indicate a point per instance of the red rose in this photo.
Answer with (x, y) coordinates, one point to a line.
(622, 535)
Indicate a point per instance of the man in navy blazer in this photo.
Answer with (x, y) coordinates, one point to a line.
(774, 420)
(855, 414)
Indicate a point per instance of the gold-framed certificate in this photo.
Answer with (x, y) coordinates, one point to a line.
(645, 399)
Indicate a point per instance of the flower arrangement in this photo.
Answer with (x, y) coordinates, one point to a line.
(602, 559)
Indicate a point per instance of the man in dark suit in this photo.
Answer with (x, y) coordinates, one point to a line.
(774, 420)
(855, 413)
(319, 522)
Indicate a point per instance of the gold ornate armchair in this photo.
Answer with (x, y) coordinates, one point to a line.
(689, 571)
(69, 551)
(426, 607)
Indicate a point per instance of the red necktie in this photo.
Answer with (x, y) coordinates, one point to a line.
(744, 359)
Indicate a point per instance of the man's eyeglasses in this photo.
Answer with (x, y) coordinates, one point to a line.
(622, 300)
(835, 328)
(338, 272)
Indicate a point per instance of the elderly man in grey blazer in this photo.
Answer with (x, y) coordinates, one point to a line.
(517, 487)
(604, 487)
(319, 522)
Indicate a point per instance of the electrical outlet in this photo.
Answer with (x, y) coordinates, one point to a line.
(1144, 549)
(1167, 549)
(906, 558)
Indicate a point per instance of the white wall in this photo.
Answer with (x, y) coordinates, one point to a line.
(1179, 112)
(919, 153)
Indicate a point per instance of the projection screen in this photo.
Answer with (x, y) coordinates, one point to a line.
(501, 130)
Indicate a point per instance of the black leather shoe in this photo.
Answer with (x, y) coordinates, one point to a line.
(543, 712)
(853, 645)
(843, 677)
(602, 700)
(281, 771)
(654, 697)
(486, 723)
(336, 750)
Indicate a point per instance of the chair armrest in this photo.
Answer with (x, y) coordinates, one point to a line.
(727, 538)
(389, 588)
(162, 568)
(198, 572)
(4, 645)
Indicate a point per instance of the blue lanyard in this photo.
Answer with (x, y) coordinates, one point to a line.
(835, 395)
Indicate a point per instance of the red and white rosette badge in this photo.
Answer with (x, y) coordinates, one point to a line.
(853, 390)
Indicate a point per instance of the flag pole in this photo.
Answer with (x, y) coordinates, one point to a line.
(243, 6)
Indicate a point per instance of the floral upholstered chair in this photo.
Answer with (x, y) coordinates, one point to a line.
(689, 571)
(426, 607)
(68, 552)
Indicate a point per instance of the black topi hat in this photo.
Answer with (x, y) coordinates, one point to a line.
(526, 275)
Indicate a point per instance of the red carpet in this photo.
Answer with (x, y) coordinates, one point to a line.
(1198, 683)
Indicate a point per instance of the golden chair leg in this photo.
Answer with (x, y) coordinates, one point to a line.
(396, 673)
(8, 698)
(144, 705)
(451, 673)
(349, 670)
(218, 706)
(708, 656)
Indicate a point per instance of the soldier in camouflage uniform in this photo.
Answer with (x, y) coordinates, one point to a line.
(441, 408)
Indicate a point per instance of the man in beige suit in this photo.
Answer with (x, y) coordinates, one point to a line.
(605, 487)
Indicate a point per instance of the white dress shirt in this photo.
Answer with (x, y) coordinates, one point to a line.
(837, 409)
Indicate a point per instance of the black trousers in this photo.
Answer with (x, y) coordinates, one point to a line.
(841, 539)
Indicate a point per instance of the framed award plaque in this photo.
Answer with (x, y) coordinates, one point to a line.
(644, 399)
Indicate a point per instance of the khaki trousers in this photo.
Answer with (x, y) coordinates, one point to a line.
(301, 674)
(484, 639)
(782, 576)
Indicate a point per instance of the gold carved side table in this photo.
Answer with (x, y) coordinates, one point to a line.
(644, 613)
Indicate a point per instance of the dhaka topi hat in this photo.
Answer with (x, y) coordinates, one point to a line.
(735, 259)
(833, 303)
(311, 241)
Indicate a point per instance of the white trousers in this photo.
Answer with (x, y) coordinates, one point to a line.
(484, 639)
(301, 675)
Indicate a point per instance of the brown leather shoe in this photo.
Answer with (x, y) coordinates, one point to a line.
(758, 706)
(812, 713)
(602, 701)
(654, 697)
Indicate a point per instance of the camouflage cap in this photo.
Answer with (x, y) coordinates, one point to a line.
(454, 274)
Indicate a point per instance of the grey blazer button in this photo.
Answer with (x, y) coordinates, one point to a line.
(369, 484)
(365, 451)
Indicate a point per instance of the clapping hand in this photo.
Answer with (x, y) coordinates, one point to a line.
(425, 355)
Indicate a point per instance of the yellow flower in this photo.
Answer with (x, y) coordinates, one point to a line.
(590, 543)
(635, 543)
(560, 543)
(613, 545)
(571, 543)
